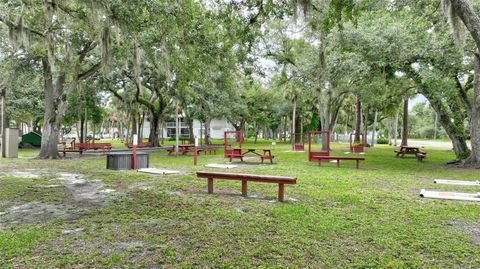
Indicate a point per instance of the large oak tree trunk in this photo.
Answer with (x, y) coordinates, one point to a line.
(358, 120)
(405, 123)
(475, 116)
(190, 130)
(464, 10)
(454, 128)
(51, 122)
(154, 127)
(208, 140)
(395, 127)
(374, 129)
(294, 119)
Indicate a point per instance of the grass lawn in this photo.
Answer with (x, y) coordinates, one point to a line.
(65, 214)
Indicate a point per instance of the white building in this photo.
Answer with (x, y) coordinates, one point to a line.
(217, 127)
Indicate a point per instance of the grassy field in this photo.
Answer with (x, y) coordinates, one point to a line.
(74, 213)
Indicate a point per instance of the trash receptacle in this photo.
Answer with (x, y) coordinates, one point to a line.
(11, 142)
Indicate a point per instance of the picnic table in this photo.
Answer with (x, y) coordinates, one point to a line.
(409, 150)
(183, 149)
(264, 154)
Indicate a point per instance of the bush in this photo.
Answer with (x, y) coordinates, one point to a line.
(382, 140)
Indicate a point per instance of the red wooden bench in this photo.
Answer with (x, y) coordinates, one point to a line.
(210, 150)
(281, 181)
(67, 150)
(183, 149)
(140, 145)
(94, 146)
(338, 159)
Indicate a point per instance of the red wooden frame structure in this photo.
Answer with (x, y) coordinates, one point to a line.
(300, 145)
(357, 148)
(228, 149)
(312, 154)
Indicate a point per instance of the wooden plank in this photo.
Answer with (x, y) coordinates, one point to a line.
(249, 177)
(338, 158)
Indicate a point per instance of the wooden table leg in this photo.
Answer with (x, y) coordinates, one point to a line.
(281, 192)
(244, 188)
(210, 185)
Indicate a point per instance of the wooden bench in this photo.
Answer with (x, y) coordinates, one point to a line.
(140, 145)
(93, 146)
(70, 150)
(182, 150)
(235, 156)
(338, 159)
(281, 181)
(210, 150)
(267, 157)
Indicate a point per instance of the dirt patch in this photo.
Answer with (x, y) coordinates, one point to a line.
(85, 195)
(469, 228)
(83, 191)
(28, 173)
(34, 212)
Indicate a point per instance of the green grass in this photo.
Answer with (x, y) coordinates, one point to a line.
(333, 217)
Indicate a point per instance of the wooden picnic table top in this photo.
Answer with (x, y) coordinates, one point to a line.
(185, 146)
(409, 147)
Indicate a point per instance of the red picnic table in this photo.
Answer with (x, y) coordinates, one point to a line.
(183, 149)
(409, 150)
(264, 154)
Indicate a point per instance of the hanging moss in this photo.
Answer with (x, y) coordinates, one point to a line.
(459, 31)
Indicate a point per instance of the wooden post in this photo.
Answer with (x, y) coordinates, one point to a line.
(281, 192)
(195, 152)
(134, 153)
(210, 185)
(244, 188)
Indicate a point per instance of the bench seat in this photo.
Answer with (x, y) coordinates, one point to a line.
(420, 156)
(267, 157)
(280, 180)
(338, 159)
(67, 150)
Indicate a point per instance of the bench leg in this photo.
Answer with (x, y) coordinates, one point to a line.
(281, 192)
(358, 163)
(319, 162)
(338, 163)
(244, 188)
(210, 185)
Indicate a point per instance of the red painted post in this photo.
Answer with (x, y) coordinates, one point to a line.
(281, 192)
(134, 155)
(244, 188)
(309, 146)
(195, 152)
(210, 185)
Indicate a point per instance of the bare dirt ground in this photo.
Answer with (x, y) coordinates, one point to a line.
(84, 194)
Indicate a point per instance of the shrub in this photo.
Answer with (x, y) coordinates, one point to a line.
(382, 140)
